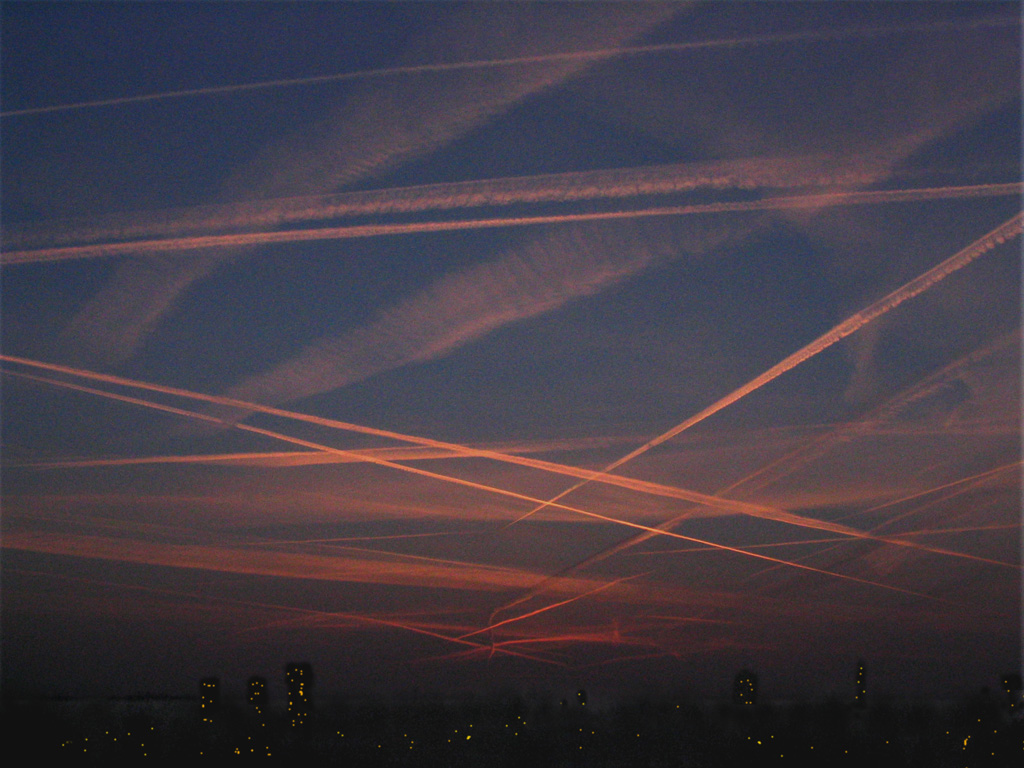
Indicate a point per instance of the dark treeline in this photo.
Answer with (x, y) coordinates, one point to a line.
(514, 730)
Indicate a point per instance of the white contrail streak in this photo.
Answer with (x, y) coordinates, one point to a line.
(1006, 231)
(518, 61)
(206, 242)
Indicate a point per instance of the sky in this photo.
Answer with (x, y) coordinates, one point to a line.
(461, 347)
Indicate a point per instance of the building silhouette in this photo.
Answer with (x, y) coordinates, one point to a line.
(299, 682)
(1014, 690)
(860, 688)
(209, 700)
(256, 694)
(744, 688)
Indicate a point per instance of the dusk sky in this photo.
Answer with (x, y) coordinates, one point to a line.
(532, 345)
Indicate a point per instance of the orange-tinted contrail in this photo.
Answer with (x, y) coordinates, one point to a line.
(468, 483)
(872, 421)
(1006, 231)
(305, 458)
(834, 539)
(358, 618)
(546, 608)
(662, 528)
(962, 486)
(262, 458)
(204, 242)
(416, 69)
(787, 463)
(959, 529)
(744, 174)
(896, 538)
(278, 542)
(951, 264)
(247, 562)
(953, 484)
(735, 507)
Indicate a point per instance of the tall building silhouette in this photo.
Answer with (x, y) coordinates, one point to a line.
(256, 694)
(860, 689)
(1014, 690)
(209, 699)
(299, 681)
(744, 687)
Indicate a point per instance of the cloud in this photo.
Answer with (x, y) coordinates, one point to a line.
(544, 275)
(379, 127)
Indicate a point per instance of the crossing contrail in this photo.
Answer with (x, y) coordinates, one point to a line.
(1006, 231)
(872, 422)
(968, 481)
(574, 598)
(962, 485)
(517, 61)
(306, 612)
(305, 458)
(481, 486)
(641, 486)
(834, 539)
(198, 243)
(715, 502)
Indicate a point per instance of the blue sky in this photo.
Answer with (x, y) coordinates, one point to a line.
(545, 232)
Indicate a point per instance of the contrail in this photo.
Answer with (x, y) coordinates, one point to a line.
(962, 485)
(802, 455)
(962, 529)
(279, 542)
(380, 126)
(743, 174)
(805, 453)
(525, 281)
(296, 458)
(965, 484)
(1010, 228)
(832, 539)
(872, 421)
(518, 61)
(962, 481)
(466, 483)
(261, 459)
(572, 599)
(207, 242)
(729, 505)
(1006, 231)
(352, 569)
(358, 618)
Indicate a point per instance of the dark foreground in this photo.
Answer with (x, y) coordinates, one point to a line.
(513, 731)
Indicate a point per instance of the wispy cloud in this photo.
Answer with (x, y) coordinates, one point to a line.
(540, 277)
(379, 127)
